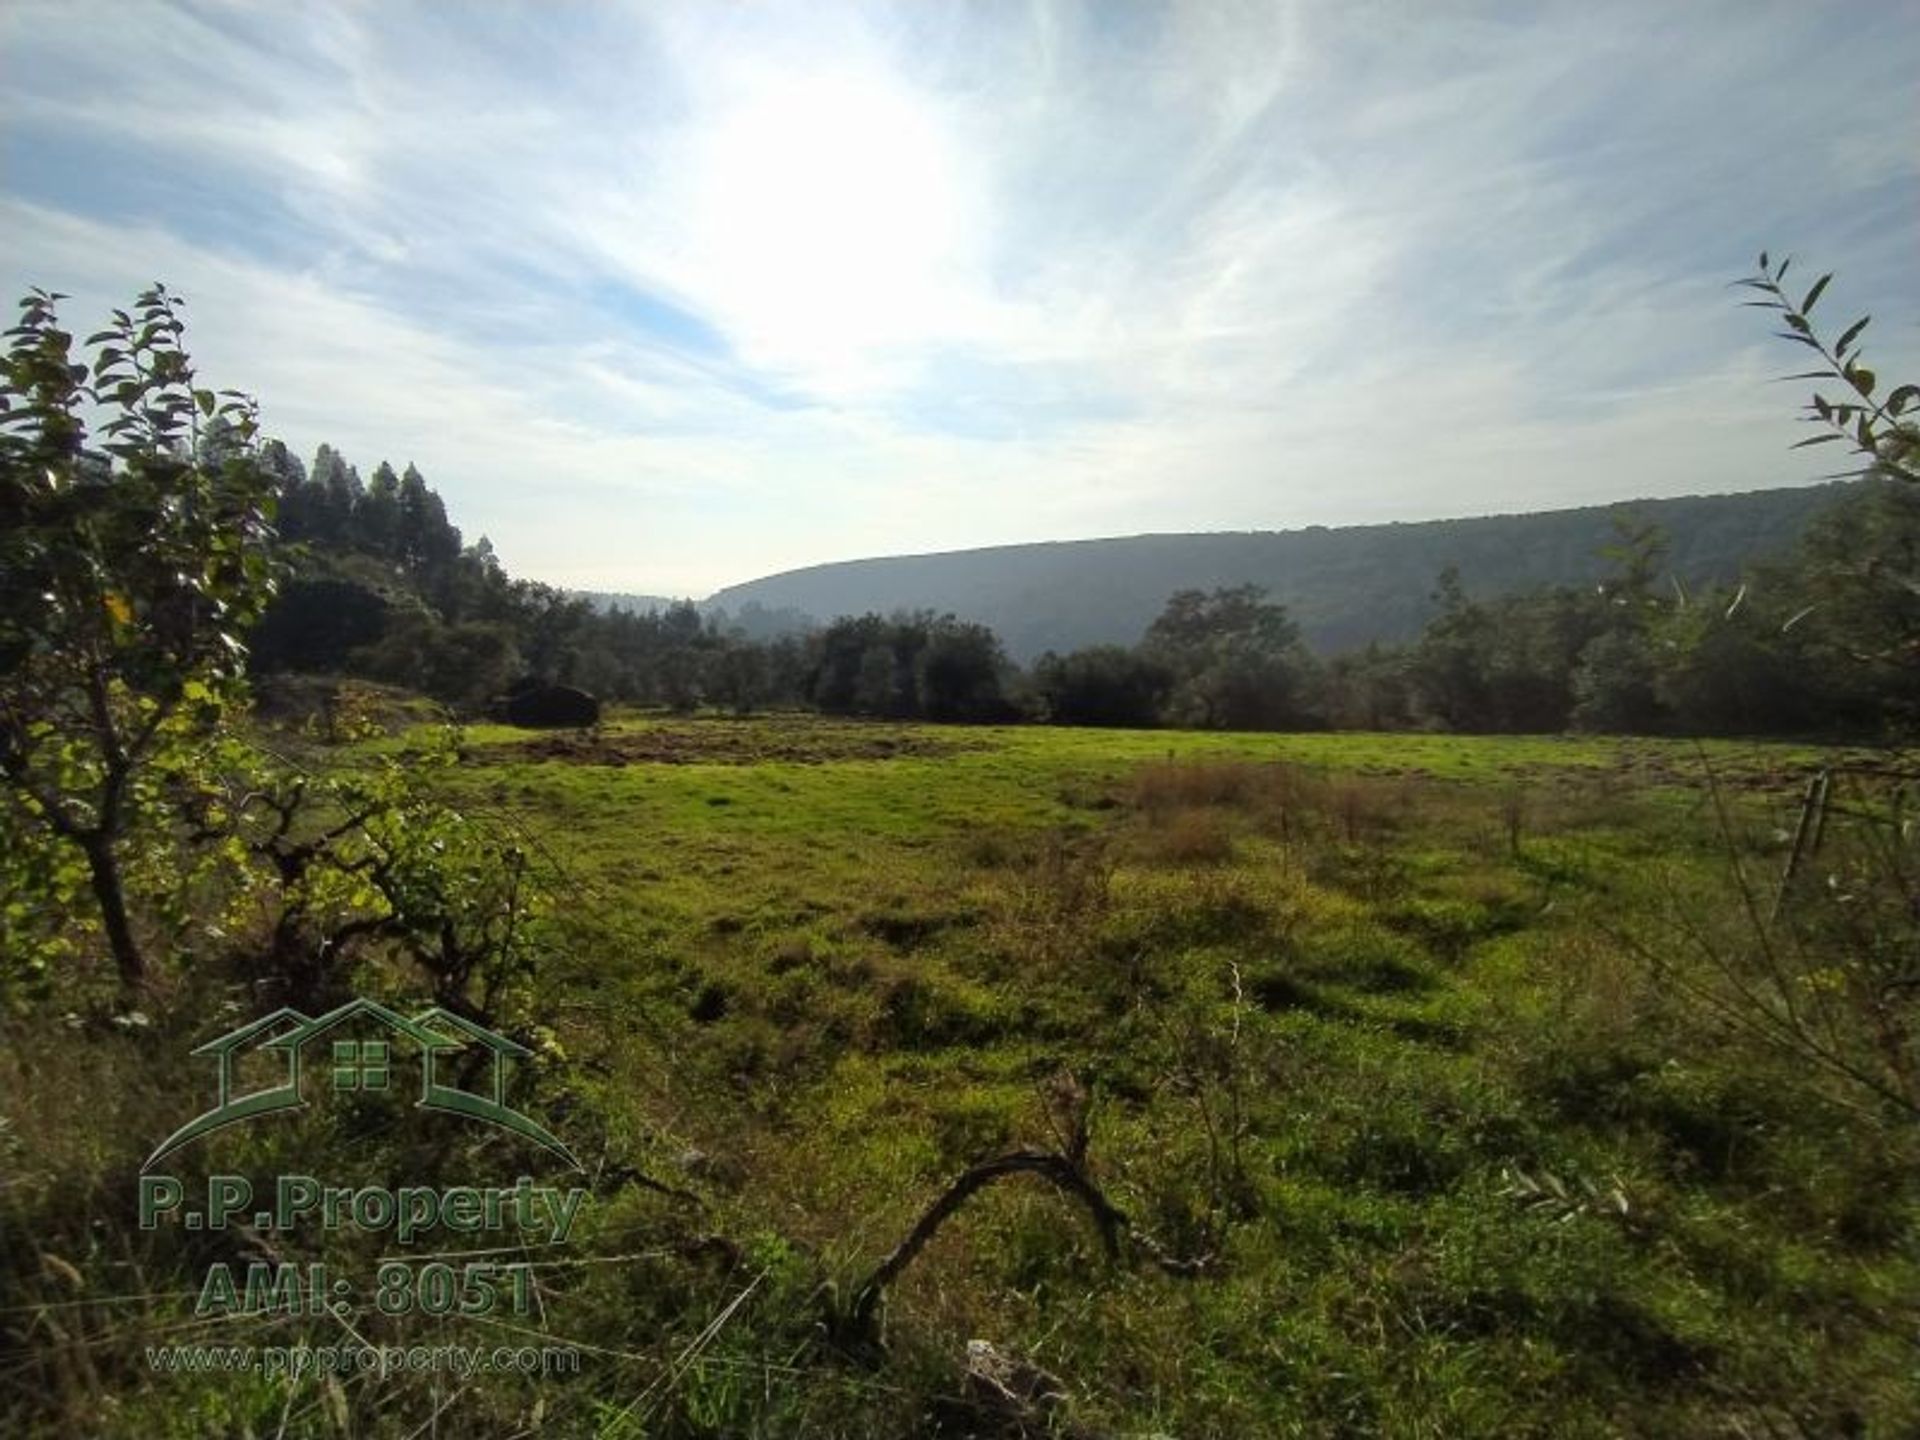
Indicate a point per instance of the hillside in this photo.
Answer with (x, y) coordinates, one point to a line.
(1345, 586)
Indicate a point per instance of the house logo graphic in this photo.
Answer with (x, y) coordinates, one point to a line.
(366, 1037)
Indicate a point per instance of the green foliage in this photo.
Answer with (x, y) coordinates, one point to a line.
(1368, 689)
(316, 623)
(1383, 1076)
(1453, 1156)
(1858, 604)
(1616, 685)
(910, 666)
(129, 575)
(463, 664)
(1451, 662)
(1103, 685)
(1863, 586)
(357, 865)
(1873, 425)
(1236, 659)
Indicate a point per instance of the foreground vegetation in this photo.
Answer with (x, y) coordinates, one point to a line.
(1412, 1054)
(971, 1081)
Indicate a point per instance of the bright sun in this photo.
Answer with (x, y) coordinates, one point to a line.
(828, 218)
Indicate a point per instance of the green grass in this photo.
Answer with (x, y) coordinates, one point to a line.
(1358, 1026)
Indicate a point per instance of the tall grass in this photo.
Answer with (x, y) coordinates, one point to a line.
(1386, 1048)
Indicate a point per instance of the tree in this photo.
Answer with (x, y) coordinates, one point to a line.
(1857, 588)
(1236, 658)
(282, 464)
(427, 541)
(1866, 584)
(316, 624)
(1368, 689)
(376, 521)
(921, 664)
(842, 678)
(958, 673)
(737, 675)
(1450, 664)
(333, 489)
(1637, 552)
(1615, 686)
(1102, 685)
(1729, 664)
(129, 574)
(1616, 681)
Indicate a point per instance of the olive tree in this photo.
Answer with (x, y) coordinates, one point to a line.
(1871, 419)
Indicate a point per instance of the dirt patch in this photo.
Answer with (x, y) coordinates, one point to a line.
(719, 743)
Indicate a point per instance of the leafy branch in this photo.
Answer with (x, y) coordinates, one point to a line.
(1871, 424)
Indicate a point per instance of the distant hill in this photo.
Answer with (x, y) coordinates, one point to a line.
(756, 622)
(1345, 586)
(607, 601)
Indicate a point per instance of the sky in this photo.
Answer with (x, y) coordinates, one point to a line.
(666, 297)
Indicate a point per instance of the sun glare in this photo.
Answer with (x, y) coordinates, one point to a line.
(828, 218)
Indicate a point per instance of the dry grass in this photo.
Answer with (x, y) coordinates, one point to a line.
(1284, 800)
(1188, 784)
(1191, 837)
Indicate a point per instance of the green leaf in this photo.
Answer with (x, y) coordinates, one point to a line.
(205, 400)
(1813, 295)
(1815, 440)
(1852, 333)
(1902, 396)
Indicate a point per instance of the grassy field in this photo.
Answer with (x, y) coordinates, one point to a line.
(1402, 1056)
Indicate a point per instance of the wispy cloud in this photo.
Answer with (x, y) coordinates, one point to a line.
(666, 297)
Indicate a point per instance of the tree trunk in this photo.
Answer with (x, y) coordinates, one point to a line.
(104, 867)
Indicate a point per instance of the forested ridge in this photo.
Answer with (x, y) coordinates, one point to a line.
(1347, 586)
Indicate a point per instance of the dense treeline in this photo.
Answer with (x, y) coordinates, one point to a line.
(384, 588)
(1820, 641)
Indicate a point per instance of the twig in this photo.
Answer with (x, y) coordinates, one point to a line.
(1065, 1176)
